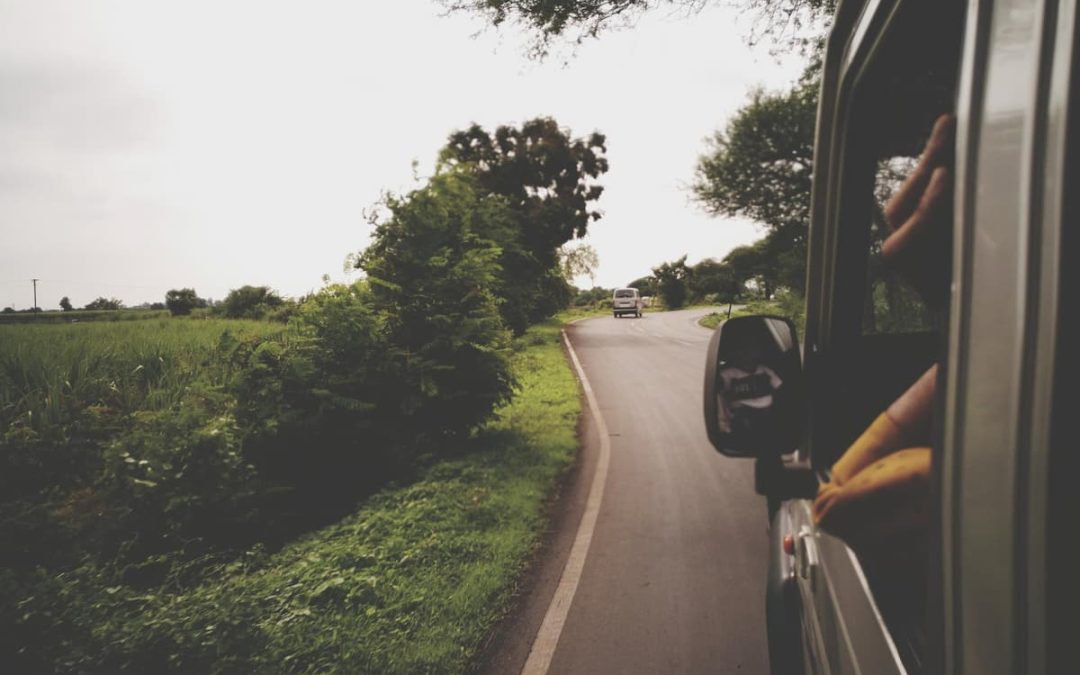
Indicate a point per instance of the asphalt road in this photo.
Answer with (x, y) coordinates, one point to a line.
(673, 581)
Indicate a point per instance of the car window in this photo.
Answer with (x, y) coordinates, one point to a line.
(885, 329)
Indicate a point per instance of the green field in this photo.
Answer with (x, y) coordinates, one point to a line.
(50, 374)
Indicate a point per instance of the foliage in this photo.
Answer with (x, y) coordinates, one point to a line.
(411, 582)
(672, 282)
(65, 304)
(592, 297)
(785, 22)
(104, 303)
(760, 167)
(434, 273)
(250, 302)
(578, 261)
(646, 285)
(712, 278)
(181, 301)
(547, 180)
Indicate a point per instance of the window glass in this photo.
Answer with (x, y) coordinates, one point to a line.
(891, 304)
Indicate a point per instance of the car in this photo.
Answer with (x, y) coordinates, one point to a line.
(626, 301)
(994, 591)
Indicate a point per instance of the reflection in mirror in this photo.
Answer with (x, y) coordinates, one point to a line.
(753, 375)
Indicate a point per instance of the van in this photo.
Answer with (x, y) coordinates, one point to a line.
(626, 301)
(993, 591)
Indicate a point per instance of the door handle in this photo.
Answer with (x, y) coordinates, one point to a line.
(806, 556)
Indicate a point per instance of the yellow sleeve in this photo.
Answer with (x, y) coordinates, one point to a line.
(882, 437)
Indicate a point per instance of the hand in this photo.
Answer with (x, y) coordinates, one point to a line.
(920, 217)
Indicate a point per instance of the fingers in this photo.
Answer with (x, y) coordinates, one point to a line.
(921, 249)
(937, 153)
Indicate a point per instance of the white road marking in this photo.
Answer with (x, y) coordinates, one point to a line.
(547, 638)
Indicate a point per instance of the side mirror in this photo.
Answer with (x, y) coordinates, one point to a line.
(753, 387)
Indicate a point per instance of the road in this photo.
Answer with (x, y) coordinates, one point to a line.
(673, 579)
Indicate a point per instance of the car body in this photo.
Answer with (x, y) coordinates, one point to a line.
(999, 593)
(626, 301)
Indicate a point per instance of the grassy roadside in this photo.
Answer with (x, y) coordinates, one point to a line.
(790, 307)
(410, 583)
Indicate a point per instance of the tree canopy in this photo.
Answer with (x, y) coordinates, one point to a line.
(547, 181)
(760, 167)
(180, 301)
(672, 282)
(781, 20)
(105, 303)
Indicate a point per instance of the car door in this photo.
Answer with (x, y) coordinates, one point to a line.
(891, 69)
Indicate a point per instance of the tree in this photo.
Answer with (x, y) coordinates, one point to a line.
(433, 273)
(65, 304)
(646, 285)
(710, 277)
(105, 303)
(784, 21)
(672, 282)
(760, 167)
(547, 179)
(181, 301)
(250, 302)
(578, 261)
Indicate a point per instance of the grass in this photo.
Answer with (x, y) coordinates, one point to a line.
(412, 582)
(80, 315)
(789, 305)
(49, 373)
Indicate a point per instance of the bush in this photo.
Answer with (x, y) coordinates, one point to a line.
(250, 302)
(433, 276)
(181, 301)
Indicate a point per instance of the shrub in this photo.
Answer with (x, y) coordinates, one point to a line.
(250, 302)
(433, 275)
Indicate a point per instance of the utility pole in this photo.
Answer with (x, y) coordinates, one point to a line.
(35, 294)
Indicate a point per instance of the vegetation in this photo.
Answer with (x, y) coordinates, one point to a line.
(250, 302)
(546, 181)
(181, 301)
(104, 304)
(410, 582)
(790, 23)
(672, 282)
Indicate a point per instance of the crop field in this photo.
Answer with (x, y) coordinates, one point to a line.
(51, 373)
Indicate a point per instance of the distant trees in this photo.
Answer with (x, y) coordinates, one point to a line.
(760, 167)
(645, 285)
(672, 282)
(65, 304)
(250, 302)
(180, 301)
(105, 303)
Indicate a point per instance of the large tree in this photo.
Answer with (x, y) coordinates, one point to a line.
(760, 167)
(547, 178)
(783, 21)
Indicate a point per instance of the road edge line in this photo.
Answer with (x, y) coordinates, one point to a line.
(547, 638)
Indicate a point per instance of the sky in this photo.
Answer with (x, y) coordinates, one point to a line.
(152, 145)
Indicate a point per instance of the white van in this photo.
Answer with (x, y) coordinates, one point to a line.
(626, 301)
(989, 587)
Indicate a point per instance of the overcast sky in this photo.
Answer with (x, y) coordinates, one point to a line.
(150, 145)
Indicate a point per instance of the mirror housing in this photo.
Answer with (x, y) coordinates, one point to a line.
(753, 387)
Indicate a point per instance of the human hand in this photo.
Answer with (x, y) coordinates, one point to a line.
(920, 217)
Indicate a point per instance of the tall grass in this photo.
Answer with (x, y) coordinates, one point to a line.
(50, 373)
